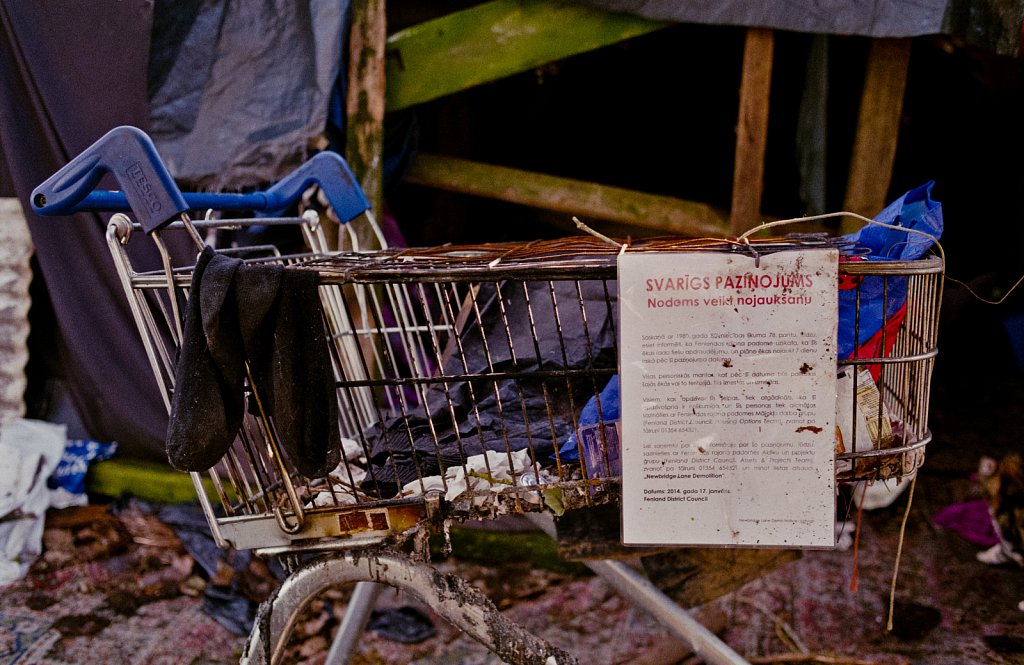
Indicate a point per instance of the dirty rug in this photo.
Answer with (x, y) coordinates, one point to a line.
(111, 589)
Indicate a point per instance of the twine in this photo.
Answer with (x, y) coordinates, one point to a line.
(938, 246)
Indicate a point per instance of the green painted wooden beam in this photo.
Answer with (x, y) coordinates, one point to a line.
(494, 40)
(145, 480)
(664, 214)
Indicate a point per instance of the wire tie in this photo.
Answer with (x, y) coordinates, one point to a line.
(750, 248)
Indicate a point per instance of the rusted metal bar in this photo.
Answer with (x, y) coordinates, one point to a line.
(455, 599)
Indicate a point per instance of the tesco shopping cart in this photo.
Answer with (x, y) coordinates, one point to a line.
(457, 379)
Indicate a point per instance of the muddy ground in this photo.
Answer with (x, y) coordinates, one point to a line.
(948, 608)
(117, 585)
(120, 588)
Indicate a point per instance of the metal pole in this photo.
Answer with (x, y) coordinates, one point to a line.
(357, 614)
(453, 598)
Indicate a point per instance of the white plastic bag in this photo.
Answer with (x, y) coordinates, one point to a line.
(29, 452)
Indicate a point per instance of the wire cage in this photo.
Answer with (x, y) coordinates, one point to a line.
(461, 374)
(458, 383)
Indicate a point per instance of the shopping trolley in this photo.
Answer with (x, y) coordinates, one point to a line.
(460, 374)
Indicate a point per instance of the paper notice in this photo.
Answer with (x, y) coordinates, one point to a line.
(728, 398)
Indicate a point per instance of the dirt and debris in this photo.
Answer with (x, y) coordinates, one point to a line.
(114, 585)
(118, 585)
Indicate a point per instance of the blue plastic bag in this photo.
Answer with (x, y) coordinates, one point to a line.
(880, 301)
(610, 410)
(78, 453)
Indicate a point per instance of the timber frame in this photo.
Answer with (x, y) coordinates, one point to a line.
(455, 52)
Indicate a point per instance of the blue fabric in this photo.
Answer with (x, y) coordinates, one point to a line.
(78, 453)
(337, 100)
(914, 210)
(610, 410)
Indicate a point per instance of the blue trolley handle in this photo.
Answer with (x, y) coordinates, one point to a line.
(70, 189)
(127, 153)
(331, 173)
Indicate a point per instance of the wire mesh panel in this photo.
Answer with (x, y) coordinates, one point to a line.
(474, 381)
(890, 376)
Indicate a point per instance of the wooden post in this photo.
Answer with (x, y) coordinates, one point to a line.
(878, 124)
(365, 103)
(752, 130)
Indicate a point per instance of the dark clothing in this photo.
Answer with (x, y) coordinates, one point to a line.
(270, 317)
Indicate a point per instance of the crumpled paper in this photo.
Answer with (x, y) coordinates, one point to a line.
(344, 478)
(490, 470)
(29, 452)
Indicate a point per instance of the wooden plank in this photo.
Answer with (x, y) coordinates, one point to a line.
(812, 129)
(496, 39)
(752, 130)
(695, 576)
(595, 533)
(365, 104)
(878, 124)
(573, 197)
(690, 576)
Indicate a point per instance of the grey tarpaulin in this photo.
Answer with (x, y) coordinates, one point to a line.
(69, 72)
(238, 90)
(991, 24)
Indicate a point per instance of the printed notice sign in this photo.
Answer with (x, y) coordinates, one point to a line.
(728, 380)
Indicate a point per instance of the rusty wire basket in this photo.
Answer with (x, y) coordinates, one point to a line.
(459, 379)
(461, 373)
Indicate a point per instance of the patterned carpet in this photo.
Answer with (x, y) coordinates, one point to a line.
(111, 589)
(120, 587)
(167, 632)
